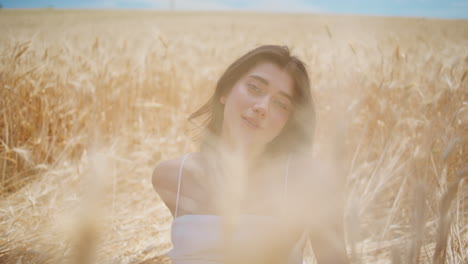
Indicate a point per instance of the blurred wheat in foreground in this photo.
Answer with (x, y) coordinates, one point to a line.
(90, 101)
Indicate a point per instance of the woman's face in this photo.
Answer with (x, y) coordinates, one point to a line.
(258, 106)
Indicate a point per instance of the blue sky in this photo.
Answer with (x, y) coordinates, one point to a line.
(418, 8)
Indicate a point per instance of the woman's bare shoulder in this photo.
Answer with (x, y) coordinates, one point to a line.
(166, 173)
(308, 170)
(165, 178)
(302, 165)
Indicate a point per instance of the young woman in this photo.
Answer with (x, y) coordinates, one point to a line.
(252, 194)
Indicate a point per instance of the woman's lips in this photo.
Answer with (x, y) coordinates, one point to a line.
(252, 122)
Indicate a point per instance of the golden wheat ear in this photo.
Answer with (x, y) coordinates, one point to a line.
(445, 218)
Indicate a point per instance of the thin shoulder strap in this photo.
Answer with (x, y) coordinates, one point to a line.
(178, 184)
(286, 175)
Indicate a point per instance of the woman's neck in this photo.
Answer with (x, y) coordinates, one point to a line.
(232, 156)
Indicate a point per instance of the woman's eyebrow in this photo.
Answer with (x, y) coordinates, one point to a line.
(265, 82)
(259, 78)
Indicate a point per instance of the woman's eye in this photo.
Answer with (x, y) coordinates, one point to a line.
(254, 89)
(281, 105)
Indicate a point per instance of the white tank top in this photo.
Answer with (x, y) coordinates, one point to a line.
(197, 239)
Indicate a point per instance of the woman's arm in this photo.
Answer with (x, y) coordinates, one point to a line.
(328, 240)
(321, 189)
(165, 180)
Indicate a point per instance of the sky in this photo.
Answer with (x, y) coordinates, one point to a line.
(412, 8)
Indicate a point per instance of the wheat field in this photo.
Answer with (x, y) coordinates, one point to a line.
(91, 101)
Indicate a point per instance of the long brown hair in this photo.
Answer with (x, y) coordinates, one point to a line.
(298, 133)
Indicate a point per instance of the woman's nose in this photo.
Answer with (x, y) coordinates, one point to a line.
(261, 107)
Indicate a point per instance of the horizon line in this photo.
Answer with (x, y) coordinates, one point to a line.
(266, 12)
